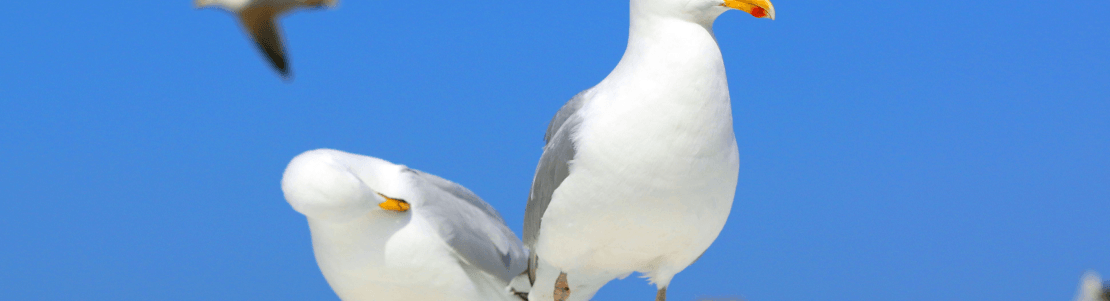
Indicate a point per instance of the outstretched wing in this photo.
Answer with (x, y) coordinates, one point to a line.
(260, 22)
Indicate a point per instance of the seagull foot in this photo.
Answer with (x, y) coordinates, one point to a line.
(661, 295)
(562, 289)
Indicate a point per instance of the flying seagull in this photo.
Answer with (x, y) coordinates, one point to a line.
(639, 172)
(382, 231)
(259, 18)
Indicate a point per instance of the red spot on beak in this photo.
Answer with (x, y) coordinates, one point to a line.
(759, 12)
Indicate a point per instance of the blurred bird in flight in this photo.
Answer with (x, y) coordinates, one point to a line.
(259, 19)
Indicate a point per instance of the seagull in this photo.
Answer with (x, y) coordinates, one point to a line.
(638, 173)
(259, 17)
(382, 231)
(1091, 288)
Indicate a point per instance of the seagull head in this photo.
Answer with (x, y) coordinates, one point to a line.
(336, 186)
(703, 10)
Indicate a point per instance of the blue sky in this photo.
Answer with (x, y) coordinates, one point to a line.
(890, 150)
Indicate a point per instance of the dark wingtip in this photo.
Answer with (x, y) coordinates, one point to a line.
(266, 34)
(282, 69)
(277, 60)
(286, 76)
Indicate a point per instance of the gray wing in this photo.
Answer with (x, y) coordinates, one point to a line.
(471, 227)
(259, 22)
(553, 167)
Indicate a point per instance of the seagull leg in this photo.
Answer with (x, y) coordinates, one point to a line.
(562, 289)
(661, 295)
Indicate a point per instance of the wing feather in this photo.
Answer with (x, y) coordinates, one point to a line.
(260, 22)
(471, 227)
(554, 167)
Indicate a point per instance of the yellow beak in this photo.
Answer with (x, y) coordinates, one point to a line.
(757, 8)
(392, 204)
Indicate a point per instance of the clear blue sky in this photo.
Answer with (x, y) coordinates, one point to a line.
(891, 150)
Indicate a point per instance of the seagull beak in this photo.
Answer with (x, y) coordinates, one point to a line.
(200, 3)
(758, 8)
(392, 204)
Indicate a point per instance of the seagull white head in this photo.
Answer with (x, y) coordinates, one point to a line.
(703, 10)
(320, 185)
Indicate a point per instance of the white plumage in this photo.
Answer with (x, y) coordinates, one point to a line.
(448, 245)
(639, 172)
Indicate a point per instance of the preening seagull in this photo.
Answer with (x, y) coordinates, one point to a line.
(638, 173)
(259, 18)
(383, 231)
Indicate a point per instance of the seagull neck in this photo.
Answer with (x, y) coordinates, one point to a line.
(669, 50)
(357, 237)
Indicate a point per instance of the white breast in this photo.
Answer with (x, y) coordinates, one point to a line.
(367, 260)
(651, 184)
(656, 163)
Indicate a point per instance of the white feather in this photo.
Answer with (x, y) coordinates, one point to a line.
(450, 245)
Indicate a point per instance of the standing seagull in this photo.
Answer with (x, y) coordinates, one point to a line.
(639, 172)
(259, 18)
(383, 231)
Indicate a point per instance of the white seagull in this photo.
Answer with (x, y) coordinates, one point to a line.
(382, 231)
(259, 19)
(639, 172)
